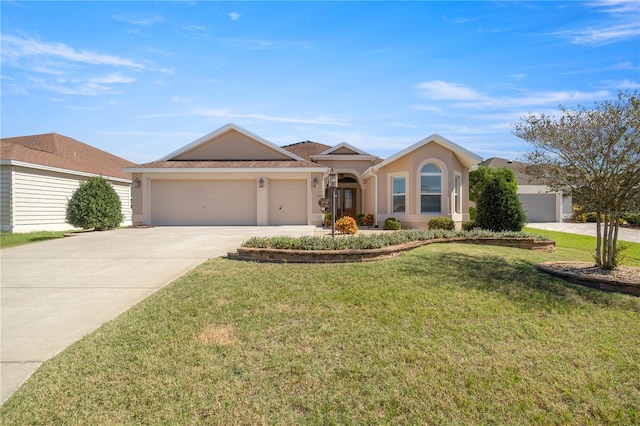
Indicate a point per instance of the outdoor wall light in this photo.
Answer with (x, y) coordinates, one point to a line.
(315, 182)
(261, 183)
(136, 183)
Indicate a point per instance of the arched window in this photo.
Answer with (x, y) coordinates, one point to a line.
(430, 189)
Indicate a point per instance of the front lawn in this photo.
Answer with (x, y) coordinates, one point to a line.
(11, 239)
(445, 334)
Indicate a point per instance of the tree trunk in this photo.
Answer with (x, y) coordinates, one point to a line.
(598, 239)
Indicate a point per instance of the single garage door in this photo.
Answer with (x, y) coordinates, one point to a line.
(539, 207)
(203, 202)
(288, 202)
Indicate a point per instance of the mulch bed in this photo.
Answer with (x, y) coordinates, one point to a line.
(623, 279)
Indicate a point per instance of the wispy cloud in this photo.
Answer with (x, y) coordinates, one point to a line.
(139, 21)
(621, 24)
(93, 86)
(15, 48)
(229, 114)
(466, 97)
(234, 16)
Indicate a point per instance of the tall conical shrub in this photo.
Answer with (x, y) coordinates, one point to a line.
(499, 207)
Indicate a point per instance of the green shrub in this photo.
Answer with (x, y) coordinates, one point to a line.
(392, 224)
(591, 217)
(347, 225)
(369, 220)
(360, 219)
(327, 219)
(472, 213)
(499, 207)
(441, 222)
(95, 204)
(632, 218)
(468, 225)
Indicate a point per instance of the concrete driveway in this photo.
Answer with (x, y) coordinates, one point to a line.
(624, 234)
(55, 292)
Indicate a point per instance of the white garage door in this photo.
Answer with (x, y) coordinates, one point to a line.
(288, 202)
(203, 202)
(539, 207)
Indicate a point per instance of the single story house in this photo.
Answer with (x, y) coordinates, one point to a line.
(540, 203)
(234, 177)
(40, 173)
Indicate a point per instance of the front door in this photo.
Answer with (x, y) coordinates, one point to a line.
(347, 202)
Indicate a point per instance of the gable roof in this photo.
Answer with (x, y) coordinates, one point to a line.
(466, 157)
(62, 152)
(526, 174)
(306, 149)
(344, 148)
(225, 129)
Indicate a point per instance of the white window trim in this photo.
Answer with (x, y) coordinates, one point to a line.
(458, 215)
(444, 190)
(404, 175)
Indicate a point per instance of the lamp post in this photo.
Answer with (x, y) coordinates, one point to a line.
(333, 183)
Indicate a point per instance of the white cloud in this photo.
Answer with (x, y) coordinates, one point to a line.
(229, 114)
(443, 90)
(14, 48)
(234, 16)
(140, 21)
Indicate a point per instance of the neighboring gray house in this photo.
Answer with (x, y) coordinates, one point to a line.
(539, 202)
(40, 173)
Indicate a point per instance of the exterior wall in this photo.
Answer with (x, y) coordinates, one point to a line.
(232, 146)
(40, 197)
(143, 195)
(356, 167)
(5, 198)
(409, 166)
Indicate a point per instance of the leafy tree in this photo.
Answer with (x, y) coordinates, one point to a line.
(94, 204)
(499, 207)
(595, 153)
(479, 177)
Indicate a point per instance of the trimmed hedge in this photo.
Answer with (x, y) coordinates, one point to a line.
(378, 240)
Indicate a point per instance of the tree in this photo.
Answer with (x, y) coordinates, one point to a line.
(499, 207)
(479, 178)
(594, 153)
(94, 204)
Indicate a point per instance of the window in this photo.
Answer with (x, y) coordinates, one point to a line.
(457, 187)
(430, 189)
(398, 194)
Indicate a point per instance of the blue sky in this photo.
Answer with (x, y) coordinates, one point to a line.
(142, 79)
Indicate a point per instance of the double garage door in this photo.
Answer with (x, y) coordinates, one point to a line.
(226, 202)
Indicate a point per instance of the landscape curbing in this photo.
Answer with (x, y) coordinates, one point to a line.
(601, 282)
(368, 255)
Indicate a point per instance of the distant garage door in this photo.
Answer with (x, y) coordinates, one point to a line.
(539, 207)
(288, 202)
(203, 202)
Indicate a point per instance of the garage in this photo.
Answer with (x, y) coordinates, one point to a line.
(539, 207)
(203, 202)
(288, 202)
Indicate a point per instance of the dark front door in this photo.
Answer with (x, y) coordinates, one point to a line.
(347, 202)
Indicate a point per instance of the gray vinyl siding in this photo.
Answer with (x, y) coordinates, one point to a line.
(5, 198)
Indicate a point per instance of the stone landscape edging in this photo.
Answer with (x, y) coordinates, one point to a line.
(367, 255)
(600, 283)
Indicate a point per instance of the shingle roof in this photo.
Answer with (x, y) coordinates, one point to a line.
(54, 150)
(235, 164)
(306, 149)
(525, 173)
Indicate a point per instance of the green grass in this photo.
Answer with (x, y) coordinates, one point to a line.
(584, 247)
(445, 334)
(11, 239)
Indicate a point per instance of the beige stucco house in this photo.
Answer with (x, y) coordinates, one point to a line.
(234, 177)
(40, 173)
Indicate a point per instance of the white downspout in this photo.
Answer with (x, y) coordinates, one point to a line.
(375, 175)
